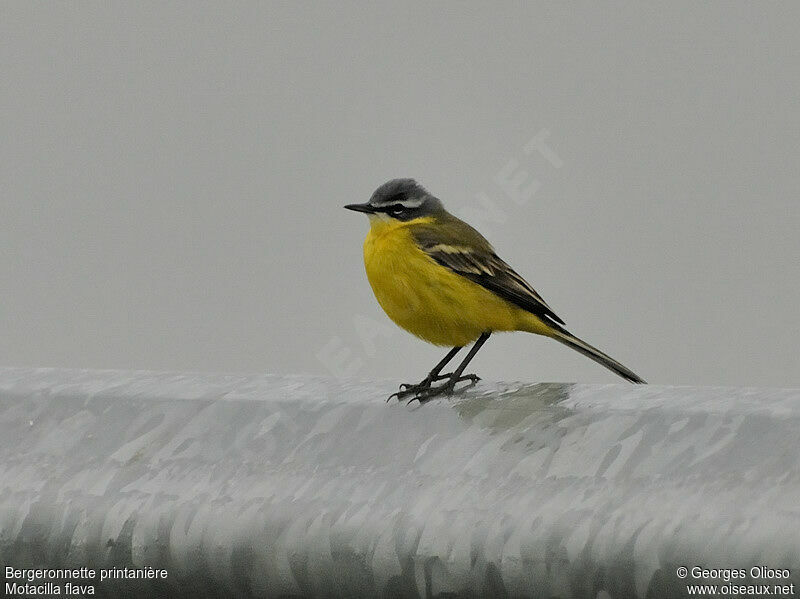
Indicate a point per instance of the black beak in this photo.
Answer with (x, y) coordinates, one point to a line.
(360, 208)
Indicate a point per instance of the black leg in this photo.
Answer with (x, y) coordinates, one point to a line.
(478, 344)
(446, 389)
(433, 375)
(407, 389)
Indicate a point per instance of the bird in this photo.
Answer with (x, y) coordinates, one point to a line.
(439, 279)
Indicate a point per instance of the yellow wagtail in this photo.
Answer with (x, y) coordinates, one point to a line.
(438, 278)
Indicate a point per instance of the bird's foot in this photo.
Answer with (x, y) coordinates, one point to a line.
(447, 388)
(424, 390)
(425, 383)
(407, 389)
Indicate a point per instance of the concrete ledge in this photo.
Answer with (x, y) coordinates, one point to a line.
(270, 486)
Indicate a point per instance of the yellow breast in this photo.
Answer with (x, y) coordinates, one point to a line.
(427, 299)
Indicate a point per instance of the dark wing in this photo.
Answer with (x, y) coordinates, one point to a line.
(455, 246)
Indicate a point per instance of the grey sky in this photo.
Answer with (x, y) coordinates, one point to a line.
(171, 181)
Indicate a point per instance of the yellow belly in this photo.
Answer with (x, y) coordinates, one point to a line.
(430, 301)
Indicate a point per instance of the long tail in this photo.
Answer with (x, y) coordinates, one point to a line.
(595, 354)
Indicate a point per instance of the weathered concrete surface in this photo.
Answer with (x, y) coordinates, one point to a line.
(274, 486)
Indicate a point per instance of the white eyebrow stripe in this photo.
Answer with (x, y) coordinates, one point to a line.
(410, 203)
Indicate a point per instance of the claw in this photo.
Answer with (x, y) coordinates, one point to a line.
(398, 394)
(405, 390)
(424, 391)
(424, 395)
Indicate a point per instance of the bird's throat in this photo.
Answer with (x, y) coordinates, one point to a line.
(382, 224)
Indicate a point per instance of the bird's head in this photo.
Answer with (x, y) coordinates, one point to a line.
(399, 199)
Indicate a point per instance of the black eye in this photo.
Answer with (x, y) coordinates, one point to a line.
(396, 209)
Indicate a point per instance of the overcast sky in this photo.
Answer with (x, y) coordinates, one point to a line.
(172, 180)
